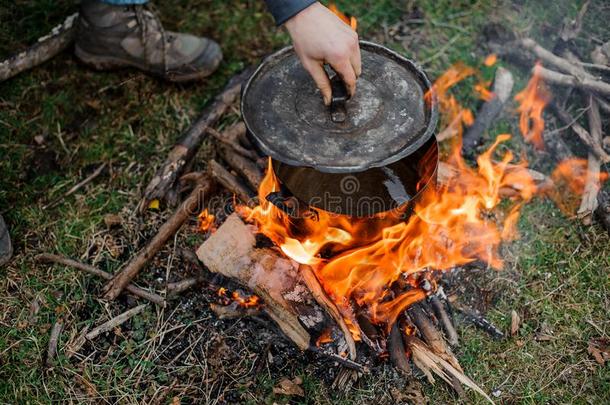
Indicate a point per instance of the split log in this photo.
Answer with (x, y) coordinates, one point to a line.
(489, 111)
(244, 166)
(47, 47)
(230, 182)
(184, 151)
(167, 230)
(231, 252)
(138, 292)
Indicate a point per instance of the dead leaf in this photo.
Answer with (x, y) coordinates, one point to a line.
(289, 387)
(600, 350)
(515, 322)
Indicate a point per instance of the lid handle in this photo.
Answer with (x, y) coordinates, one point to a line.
(338, 99)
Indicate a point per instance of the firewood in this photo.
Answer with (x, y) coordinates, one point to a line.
(114, 322)
(182, 285)
(47, 47)
(444, 319)
(589, 203)
(138, 292)
(396, 349)
(490, 110)
(184, 151)
(322, 299)
(233, 137)
(244, 166)
(593, 143)
(230, 182)
(231, 252)
(167, 230)
(585, 83)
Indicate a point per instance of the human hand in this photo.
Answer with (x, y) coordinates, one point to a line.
(319, 37)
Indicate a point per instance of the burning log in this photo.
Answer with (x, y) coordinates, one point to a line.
(396, 348)
(167, 230)
(443, 318)
(47, 47)
(489, 111)
(184, 151)
(230, 182)
(231, 252)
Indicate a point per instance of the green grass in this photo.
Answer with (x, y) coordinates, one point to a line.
(555, 277)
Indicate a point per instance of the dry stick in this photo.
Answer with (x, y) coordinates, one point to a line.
(583, 134)
(479, 321)
(244, 166)
(440, 311)
(571, 28)
(321, 298)
(560, 79)
(46, 48)
(185, 150)
(152, 297)
(167, 230)
(491, 109)
(182, 285)
(396, 347)
(230, 182)
(77, 187)
(589, 203)
(232, 137)
(53, 340)
(114, 322)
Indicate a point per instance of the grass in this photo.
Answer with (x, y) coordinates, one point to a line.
(555, 277)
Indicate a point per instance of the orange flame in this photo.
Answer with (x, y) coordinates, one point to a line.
(206, 221)
(325, 337)
(348, 19)
(532, 101)
(569, 178)
(490, 60)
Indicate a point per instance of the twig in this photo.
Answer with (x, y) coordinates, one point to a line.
(167, 230)
(77, 187)
(479, 321)
(152, 297)
(184, 151)
(442, 50)
(53, 340)
(230, 182)
(46, 48)
(182, 285)
(114, 322)
(341, 360)
(589, 203)
(244, 166)
(231, 137)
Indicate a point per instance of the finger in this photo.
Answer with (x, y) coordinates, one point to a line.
(318, 74)
(356, 61)
(346, 71)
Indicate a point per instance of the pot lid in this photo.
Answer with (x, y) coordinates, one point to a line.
(386, 120)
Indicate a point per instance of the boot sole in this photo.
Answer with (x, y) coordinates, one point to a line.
(102, 63)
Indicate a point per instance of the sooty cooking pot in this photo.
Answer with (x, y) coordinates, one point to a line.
(361, 156)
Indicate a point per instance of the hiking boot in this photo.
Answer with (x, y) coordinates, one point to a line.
(111, 36)
(6, 249)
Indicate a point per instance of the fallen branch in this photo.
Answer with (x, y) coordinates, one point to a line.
(490, 110)
(53, 340)
(583, 134)
(167, 230)
(561, 79)
(114, 322)
(244, 166)
(184, 151)
(589, 203)
(230, 182)
(138, 292)
(47, 47)
(77, 187)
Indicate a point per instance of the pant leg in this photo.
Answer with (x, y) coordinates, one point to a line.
(124, 2)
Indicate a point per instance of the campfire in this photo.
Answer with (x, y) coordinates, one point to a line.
(363, 289)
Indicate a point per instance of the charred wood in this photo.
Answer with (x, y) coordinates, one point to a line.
(444, 319)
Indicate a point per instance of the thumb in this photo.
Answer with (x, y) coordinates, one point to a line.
(318, 74)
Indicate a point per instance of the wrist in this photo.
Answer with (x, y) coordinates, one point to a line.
(296, 19)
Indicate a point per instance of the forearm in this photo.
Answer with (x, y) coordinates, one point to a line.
(282, 10)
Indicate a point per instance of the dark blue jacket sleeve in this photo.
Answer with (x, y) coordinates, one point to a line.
(283, 10)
